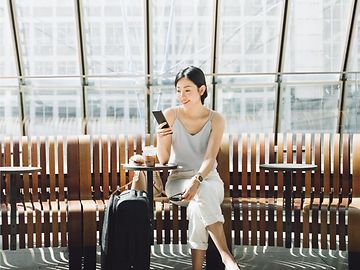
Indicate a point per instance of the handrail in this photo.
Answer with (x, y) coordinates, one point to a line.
(117, 76)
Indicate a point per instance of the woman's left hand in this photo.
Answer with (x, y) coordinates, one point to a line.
(191, 190)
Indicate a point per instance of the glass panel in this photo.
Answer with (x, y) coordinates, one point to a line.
(50, 111)
(249, 36)
(354, 59)
(10, 120)
(317, 36)
(309, 107)
(181, 35)
(7, 56)
(114, 36)
(48, 39)
(352, 106)
(247, 108)
(113, 111)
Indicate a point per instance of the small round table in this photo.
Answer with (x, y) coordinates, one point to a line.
(149, 180)
(288, 168)
(13, 171)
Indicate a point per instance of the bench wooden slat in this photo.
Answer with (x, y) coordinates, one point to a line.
(175, 223)
(235, 163)
(45, 203)
(244, 193)
(105, 166)
(262, 200)
(27, 201)
(122, 160)
(19, 203)
(345, 190)
(130, 152)
(35, 193)
(280, 193)
(354, 208)
(53, 201)
(336, 190)
(253, 178)
(74, 204)
(298, 184)
(113, 164)
(236, 192)
(89, 225)
(61, 190)
(96, 167)
(271, 193)
(326, 191)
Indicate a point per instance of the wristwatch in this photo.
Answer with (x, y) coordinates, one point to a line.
(199, 177)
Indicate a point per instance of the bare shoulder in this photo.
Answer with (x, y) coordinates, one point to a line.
(218, 119)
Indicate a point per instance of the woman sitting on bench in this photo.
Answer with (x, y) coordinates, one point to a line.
(192, 141)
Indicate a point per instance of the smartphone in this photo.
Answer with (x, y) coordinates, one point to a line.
(160, 118)
(176, 198)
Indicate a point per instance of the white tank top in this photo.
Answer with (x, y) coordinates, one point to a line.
(188, 150)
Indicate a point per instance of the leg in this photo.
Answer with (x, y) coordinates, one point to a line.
(217, 234)
(197, 256)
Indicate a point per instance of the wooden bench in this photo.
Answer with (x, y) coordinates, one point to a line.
(79, 173)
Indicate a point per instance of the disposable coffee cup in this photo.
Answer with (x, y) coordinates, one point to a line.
(149, 153)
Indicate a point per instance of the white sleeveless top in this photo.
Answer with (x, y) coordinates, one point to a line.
(188, 150)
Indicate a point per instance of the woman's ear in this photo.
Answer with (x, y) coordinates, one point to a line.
(202, 90)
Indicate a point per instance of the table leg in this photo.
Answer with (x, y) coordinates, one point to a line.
(288, 191)
(150, 180)
(13, 191)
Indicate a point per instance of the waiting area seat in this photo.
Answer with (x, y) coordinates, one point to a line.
(64, 204)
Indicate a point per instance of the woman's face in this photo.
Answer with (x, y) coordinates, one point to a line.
(187, 92)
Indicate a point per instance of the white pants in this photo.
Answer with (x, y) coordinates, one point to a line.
(204, 209)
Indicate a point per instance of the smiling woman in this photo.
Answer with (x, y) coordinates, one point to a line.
(192, 141)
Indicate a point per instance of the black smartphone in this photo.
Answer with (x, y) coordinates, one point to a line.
(176, 197)
(160, 118)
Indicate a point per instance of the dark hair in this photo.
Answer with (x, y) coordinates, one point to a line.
(195, 75)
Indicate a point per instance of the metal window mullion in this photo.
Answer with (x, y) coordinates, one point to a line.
(343, 77)
(214, 52)
(18, 58)
(280, 64)
(148, 63)
(82, 59)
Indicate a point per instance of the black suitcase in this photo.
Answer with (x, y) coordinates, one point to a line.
(125, 240)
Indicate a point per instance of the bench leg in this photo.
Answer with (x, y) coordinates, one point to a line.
(90, 258)
(75, 236)
(354, 260)
(213, 258)
(354, 237)
(75, 254)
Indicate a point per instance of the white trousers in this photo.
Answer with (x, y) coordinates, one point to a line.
(204, 209)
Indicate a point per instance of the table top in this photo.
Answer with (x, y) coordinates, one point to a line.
(288, 166)
(19, 169)
(157, 167)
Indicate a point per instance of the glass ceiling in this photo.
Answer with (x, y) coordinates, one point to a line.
(101, 66)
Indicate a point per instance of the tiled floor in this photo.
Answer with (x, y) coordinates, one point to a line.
(178, 257)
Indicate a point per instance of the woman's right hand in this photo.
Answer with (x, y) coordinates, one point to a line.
(162, 132)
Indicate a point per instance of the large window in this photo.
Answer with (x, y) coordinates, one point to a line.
(309, 108)
(182, 35)
(50, 111)
(47, 32)
(101, 66)
(114, 38)
(247, 109)
(116, 110)
(317, 36)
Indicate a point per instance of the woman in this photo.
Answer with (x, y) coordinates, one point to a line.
(192, 141)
